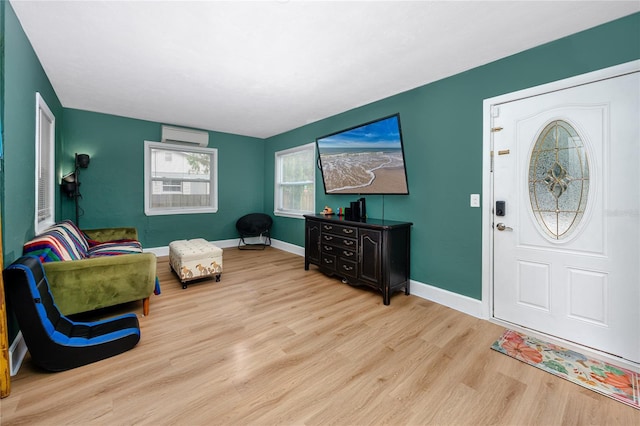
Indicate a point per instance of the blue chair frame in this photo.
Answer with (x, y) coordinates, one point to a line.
(55, 342)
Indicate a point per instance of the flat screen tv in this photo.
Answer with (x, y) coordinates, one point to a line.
(366, 159)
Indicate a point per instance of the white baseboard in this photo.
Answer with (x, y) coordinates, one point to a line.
(449, 299)
(446, 298)
(288, 247)
(164, 251)
(17, 352)
(291, 248)
(158, 251)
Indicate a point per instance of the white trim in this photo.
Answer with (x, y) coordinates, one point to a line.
(282, 245)
(277, 172)
(464, 304)
(578, 80)
(17, 352)
(41, 106)
(459, 302)
(213, 179)
(487, 178)
(164, 250)
(297, 215)
(288, 247)
(158, 251)
(487, 211)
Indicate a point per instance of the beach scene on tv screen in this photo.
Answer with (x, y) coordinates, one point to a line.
(364, 160)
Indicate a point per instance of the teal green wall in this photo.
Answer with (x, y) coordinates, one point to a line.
(23, 76)
(442, 132)
(112, 187)
(442, 129)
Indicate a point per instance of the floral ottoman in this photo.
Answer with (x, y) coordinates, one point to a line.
(195, 259)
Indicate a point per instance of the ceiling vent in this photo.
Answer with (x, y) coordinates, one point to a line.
(180, 135)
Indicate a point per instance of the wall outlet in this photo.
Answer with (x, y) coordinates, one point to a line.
(475, 200)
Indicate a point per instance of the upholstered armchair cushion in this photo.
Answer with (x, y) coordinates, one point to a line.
(94, 269)
(103, 235)
(88, 284)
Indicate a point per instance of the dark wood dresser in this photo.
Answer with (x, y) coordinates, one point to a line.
(370, 252)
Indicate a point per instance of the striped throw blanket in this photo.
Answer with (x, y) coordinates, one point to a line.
(64, 241)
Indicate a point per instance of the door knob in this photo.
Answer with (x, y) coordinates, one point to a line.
(503, 227)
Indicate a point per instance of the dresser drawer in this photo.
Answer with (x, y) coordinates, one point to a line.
(347, 231)
(346, 253)
(329, 249)
(349, 254)
(328, 261)
(338, 241)
(347, 268)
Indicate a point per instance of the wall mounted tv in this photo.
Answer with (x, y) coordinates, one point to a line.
(366, 159)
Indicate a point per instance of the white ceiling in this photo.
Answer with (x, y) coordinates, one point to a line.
(265, 67)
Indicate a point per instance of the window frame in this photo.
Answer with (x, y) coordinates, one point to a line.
(277, 190)
(148, 181)
(49, 196)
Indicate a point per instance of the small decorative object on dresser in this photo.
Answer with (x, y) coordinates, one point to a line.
(368, 252)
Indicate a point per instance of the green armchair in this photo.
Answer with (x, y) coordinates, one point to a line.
(93, 269)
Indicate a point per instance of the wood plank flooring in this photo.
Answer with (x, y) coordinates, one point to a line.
(272, 343)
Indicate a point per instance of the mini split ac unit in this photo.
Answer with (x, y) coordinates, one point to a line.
(171, 134)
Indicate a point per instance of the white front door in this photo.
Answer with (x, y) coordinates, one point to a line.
(566, 257)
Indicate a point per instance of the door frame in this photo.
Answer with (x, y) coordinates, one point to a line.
(488, 199)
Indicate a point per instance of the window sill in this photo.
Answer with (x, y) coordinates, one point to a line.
(296, 215)
(169, 212)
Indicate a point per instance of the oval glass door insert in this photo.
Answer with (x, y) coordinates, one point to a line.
(558, 179)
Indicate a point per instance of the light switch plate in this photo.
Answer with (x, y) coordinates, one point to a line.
(475, 200)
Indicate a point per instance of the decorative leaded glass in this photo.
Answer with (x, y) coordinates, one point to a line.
(558, 179)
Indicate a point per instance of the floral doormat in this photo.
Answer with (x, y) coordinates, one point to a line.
(615, 382)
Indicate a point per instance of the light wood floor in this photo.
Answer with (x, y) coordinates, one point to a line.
(275, 344)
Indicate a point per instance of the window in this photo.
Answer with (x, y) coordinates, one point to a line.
(180, 179)
(295, 186)
(559, 179)
(45, 169)
(172, 185)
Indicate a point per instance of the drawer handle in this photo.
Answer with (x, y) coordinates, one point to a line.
(347, 242)
(328, 227)
(347, 253)
(348, 231)
(347, 268)
(327, 237)
(328, 248)
(328, 261)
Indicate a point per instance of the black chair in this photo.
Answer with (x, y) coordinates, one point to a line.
(55, 342)
(254, 225)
